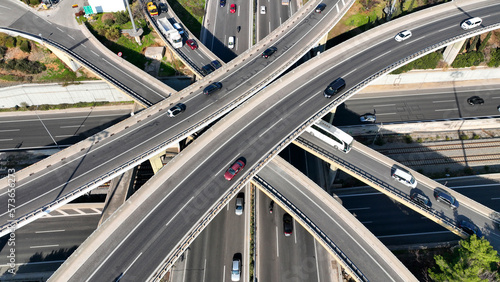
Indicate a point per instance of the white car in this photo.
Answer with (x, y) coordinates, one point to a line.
(471, 23)
(403, 35)
(230, 42)
(236, 270)
(368, 118)
(263, 10)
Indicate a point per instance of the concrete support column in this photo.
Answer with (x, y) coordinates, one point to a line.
(451, 52)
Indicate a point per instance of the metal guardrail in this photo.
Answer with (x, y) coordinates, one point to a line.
(403, 197)
(354, 270)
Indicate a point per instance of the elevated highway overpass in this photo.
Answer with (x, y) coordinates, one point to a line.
(374, 169)
(122, 146)
(300, 106)
(355, 247)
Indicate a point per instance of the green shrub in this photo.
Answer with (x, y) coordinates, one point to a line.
(429, 61)
(121, 17)
(109, 22)
(113, 33)
(468, 60)
(420, 140)
(464, 137)
(473, 45)
(475, 136)
(3, 50)
(34, 2)
(485, 41)
(495, 58)
(468, 170)
(408, 139)
(10, 42)
(379, 141)
(24, 66)
(25, 46)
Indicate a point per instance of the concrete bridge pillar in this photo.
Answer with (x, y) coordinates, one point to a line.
(451, 52)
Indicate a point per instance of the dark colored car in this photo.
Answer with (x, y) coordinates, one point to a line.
(234, 169)
(222, 3)
(162, 7)
(470, 228)
(269, 51)
(216, 64)
(420, 200)
(287, 224)
(475, 100)
(175, 110)
(335, 87)
(206, 70)
(444, 197)
(212, 88)
(192, 44)
(320, 7)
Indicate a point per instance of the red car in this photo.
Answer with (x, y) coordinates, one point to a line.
(234, 169)
(192, 44)
(232, 9)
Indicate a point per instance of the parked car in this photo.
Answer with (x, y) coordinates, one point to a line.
(192, 44)
(368, 118)
(403, 35)
(475, 100)
(232, 8)
(175, 110)
(230, 42)
(471, 23)
(320, 7)
(234, 169)
(212, 88)
(287, 224)
(470, 228)
(268, 52)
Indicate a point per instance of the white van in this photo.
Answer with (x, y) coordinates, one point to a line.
(471, 23)
(404, 177)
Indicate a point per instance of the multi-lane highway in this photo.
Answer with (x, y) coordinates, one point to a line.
(420, 105)
(272, 16)
(44, 129)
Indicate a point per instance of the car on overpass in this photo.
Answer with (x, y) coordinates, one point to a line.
(320, 7)
(471, 23)
(268, 52)
(212, 88)
(234, 169)
(470, 228)
(402, 36)
(444, 197)
(335, 87)
(175, 110)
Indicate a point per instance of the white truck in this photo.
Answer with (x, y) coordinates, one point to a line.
(170, 33)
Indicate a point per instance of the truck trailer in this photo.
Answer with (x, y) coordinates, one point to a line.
(173, 36)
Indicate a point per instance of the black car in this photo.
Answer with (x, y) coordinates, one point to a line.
(470, 228)
(444, 197)
(206, 70)
(212, 88)
(216, 64)
(269, 51)
(420, 200)
(320, 7)
(287, 224)
(335, 87)
(222, 3)
(475, 100)
(175, 110)
(162, 7)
